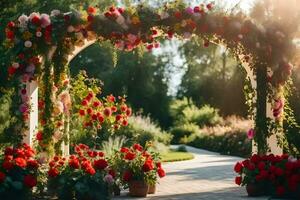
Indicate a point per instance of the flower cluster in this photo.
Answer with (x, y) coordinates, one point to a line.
(97, 112)
(85, 166)
(138, 164)
(276, 174)
(18, 166)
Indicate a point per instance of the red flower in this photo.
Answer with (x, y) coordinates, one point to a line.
(112, 173)
(238, 180)
(261, 165)
(279, 172)
(30, 181)
(107, 112)
(130, 156)
(209, 6)
(36, 20)
(123, 108)
(111, 98)
(128, 112)
(124, 150)
(89, 111)
(161, 173)
(158, 165)
(94, 117)
(2, 177)
(238, 167)
(21, 162)
(90, 170)
(255, 158)
(100, 118)
(118, 117)
(90, 18)
(100, 164)
(91, 10)
(84, 103)
(178, 14)
(9, 151)
(74, 163)
(53, 172)
(33, 164)
(10, 35)
(97, 103)
(11, 71)
(124, 122)
(81, 112)
(148, 166)
(137, 147)
(280, 190)
(127, 176)
(100, 154)
(39, 136)
(11, 24)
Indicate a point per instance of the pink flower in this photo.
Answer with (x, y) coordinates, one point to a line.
(251, 133)
(23, 108)
(45, 20)
(190, 10)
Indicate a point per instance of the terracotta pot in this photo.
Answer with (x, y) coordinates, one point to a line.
(152, 189)
(138, 189)
(254, 190)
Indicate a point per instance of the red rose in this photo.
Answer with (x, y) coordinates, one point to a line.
(112, 173)
(161, 173)
(11, 24)
(89, 111)
(2, 177)
(279, 172)
(127, 176)
(84, 103)
(100, 154)
(74, 163)
(238, 167)
(30, 181)
(11, 71)
(111, 98)
(107, 112)
(130, 156)
(90, 18)
(209, 6)
(118, 117)
(81, 112)
(148, 166)
(36, 20)
(10, 35)
(39, 136)
(9, 151)
(96, 103)
(33, 164)
(21, 162)
(251, 167)
(158, 165)
(94, 117)
(100, 164)
(137, 147)
(280, 190)
(124, 150)
(114, 109)
(128, 112)
(238, 180)
(178, 14)
(53, 172)
(100, 118)
(91, 10)
(261, 165)
(90, 170)
(255, 158)
(123, 108)
(124, 123)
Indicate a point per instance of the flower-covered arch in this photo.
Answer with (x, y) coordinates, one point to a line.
(43, 45)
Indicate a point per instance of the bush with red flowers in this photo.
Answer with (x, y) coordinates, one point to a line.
(84, 175)
(137, 164)
(276, 175)
(18, 172)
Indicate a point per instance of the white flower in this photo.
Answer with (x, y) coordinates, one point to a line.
(23, 19)
(34, 14)
(45, 20)
(16, 65)
(28, 44)
(71, 29)
(164, 15)
(38, 34)
(240, 36)
(55, 12)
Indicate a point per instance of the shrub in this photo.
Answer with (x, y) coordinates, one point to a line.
(228, 139)
(183, 131)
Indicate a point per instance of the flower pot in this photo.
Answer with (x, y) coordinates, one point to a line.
(152, 189)
(254, 190)
(138, 189)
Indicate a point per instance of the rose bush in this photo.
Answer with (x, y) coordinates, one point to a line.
(85, 174)
(18, 172)
(276, 175)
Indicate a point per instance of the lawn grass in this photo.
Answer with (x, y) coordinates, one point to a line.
(173, 156)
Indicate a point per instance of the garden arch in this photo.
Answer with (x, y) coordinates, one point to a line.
(44, 44)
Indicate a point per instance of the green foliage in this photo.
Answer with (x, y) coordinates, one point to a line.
(112, 145)
(142, 130)
(180, 132)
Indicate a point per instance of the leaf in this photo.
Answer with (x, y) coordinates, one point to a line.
(17, 185)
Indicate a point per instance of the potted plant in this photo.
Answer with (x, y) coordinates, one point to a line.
(84, 175)
(139, 169)
(18, 172)
(253, 173)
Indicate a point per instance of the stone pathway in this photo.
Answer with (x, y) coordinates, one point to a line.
(209, 176)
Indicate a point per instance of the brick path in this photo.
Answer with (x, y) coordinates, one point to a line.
(209, 176)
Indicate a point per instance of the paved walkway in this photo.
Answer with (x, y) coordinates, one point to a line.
(209, 176)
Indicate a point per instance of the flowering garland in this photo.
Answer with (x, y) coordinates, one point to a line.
(32, 37)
